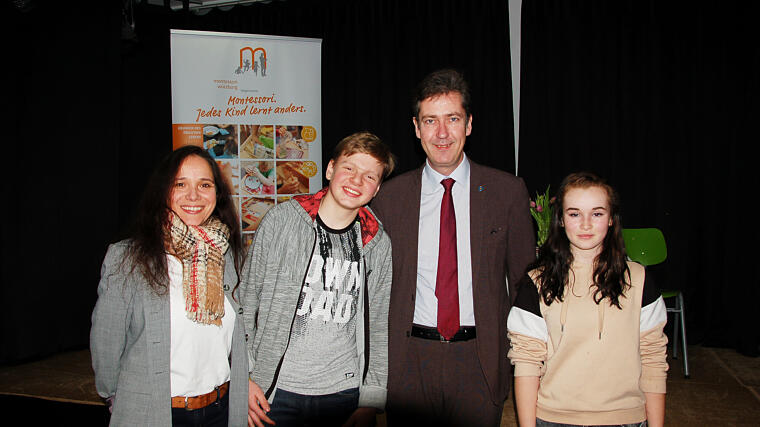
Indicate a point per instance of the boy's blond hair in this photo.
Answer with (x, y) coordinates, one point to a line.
(367, 143)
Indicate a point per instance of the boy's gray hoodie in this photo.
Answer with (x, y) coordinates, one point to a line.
(270, 287)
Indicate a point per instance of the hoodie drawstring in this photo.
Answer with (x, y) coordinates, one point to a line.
(600, 317)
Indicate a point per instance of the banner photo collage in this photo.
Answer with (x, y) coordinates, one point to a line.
(254, 103)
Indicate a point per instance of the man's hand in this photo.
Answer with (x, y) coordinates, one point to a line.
(109, 403)
(257, 406)
(362, 417)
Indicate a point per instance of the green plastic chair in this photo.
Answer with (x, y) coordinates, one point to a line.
(647, 247)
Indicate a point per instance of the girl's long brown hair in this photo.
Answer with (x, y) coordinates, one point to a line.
(611, 276)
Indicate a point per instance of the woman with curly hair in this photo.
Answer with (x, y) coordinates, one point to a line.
(167, 343)
(586, 329)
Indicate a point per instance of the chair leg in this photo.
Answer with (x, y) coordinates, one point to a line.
(676, 317)
(683, 334)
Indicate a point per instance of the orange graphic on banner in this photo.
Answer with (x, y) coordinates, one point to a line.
(253, 52)
(309, 168)
(187, 134)
(308, 133)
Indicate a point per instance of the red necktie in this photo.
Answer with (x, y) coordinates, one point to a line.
(446, 286)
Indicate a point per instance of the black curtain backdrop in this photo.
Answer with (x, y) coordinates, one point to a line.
(93, 109)
(661, 99)
(658, 98)
(60, 171)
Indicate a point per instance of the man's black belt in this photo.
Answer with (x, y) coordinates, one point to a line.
(463, 334)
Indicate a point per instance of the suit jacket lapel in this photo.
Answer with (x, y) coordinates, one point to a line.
(478, 210)
(413, 234)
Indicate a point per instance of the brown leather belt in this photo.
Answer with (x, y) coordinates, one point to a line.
(463, 334)
(198, 402)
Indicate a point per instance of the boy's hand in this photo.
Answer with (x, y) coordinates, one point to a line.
(257, 406)
(361, 417)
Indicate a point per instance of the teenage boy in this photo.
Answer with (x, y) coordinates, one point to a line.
(315, 292)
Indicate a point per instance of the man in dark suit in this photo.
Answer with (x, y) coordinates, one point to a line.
(458, 231)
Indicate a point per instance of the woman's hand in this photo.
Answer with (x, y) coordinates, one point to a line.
(257, 406)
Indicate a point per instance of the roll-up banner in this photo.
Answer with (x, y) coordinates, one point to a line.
(254, 103)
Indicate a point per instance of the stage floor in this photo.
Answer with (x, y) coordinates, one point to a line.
(724, 389)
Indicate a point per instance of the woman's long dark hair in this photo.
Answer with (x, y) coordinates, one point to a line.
(147, 252)
(611, 276)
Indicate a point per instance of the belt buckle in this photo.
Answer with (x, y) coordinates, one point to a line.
(186, 408)
(217, 395)
(443, 339)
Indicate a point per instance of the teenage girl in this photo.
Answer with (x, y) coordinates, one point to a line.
(586, 329)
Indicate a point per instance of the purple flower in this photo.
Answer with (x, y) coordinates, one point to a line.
(539, 208)
(532, 204)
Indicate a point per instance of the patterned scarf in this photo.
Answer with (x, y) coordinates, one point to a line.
(201, 249)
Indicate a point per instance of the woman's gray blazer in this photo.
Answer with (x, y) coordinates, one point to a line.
(130, 342)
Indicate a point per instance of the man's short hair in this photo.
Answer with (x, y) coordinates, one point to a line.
(367, 143)
(442, 82)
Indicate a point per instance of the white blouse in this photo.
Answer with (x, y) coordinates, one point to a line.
(199, 353)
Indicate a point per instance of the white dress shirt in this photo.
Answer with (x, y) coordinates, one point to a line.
(426, 303)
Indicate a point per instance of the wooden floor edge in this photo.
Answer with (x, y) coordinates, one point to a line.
(55, 399)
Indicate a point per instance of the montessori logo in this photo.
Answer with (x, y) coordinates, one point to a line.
(252, 60)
